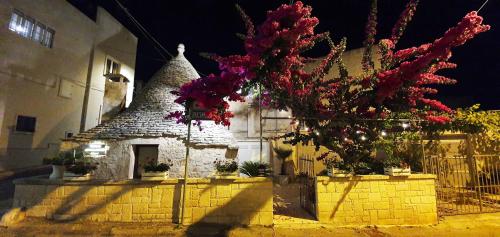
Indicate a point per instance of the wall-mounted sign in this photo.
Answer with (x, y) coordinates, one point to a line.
(96, 149)
(198, 113)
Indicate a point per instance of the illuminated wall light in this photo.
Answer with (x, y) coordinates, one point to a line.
(96, 146)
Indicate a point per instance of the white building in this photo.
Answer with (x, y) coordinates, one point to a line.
(141, 134)
(61, 72)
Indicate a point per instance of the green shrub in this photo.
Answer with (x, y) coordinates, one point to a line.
(81, 168)
(251, 168)
(161, 167)
(226, 165)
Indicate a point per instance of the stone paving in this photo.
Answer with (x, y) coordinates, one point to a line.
(287, 210)
(478, 225)
(7, 187)
(290, 221)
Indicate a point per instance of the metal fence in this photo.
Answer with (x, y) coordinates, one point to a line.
(307, 184)
(466, 184)
(306, 166)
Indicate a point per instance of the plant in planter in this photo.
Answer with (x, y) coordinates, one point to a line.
(59, 162)
(57, 166)
(154, 171)
(393, 162)
(80, 171)
(226, 167)
(282, 153)
(78, 166)
(395, 166)
(254, 168)
(336, 168)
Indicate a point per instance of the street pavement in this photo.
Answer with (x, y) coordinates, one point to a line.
(7, 187)
(477, 225)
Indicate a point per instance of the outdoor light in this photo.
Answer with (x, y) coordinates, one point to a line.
(405, 125)
(358, 132)
(363, 138)
(297, 122)
(345, 139)
(383, 133)
(317, 133)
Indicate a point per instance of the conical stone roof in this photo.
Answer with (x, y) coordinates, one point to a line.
(145, 118)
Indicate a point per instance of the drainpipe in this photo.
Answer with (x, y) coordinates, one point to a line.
(87, 89)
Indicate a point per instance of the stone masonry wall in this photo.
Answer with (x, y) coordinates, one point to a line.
(377, 200)
(222, 201)
(117, 164)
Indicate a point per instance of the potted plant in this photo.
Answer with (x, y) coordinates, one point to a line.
(57, 163)
(154, 171)
(80, 171)
(395, 166)
(60, 161)
(282, 153)
(78, 167)
(336, 168)
(263, 169)
(226, 167)
(254, 168)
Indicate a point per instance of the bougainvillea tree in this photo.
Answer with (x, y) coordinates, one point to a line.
(342, 113)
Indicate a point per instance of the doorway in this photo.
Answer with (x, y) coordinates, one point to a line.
(144, 154)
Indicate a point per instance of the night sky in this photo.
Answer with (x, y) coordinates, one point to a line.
(211, 26)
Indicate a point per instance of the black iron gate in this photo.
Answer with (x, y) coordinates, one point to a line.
(307, 184)
(466, 184)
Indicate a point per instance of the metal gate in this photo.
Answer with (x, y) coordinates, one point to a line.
(307, 184)
(466, 184)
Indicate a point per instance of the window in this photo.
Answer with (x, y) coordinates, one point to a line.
(27, 27)
(25, 124)
(112, 67)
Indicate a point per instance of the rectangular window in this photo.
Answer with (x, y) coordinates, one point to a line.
(29, 23)
(28, 27)
(47, 40)
(112, 67)
(25, 124)
(37, 33)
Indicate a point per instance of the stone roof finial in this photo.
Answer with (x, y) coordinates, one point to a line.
(181, 49)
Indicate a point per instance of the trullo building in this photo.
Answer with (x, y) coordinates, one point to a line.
(141, 134)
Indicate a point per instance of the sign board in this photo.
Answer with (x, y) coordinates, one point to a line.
(198, 113)
(96, 150)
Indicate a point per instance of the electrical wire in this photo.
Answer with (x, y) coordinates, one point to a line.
(156, 44)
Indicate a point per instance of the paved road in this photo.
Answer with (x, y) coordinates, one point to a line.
(7, 187)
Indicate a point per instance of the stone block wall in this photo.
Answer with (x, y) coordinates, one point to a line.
(376, 200)
(118, 164)
(223, 201)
